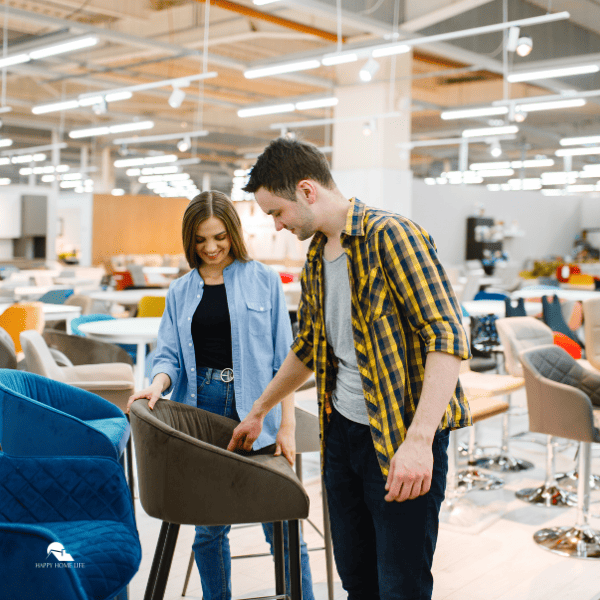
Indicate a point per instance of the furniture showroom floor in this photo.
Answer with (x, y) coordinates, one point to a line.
(485, 552)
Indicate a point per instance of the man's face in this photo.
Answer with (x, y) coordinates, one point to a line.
(296, 217)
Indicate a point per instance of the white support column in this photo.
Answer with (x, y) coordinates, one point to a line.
(372, 167)
(206, 182)
(52, 204)
(104, 183)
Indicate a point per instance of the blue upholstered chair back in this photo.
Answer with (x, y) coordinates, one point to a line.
(483, 295)
(56, 296)
(515, 311)
(553, 317)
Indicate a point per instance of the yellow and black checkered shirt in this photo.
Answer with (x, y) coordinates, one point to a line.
(403, 307)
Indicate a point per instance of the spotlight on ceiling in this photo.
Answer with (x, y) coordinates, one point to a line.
(520, 115)
(495, 149)
(184, 144)
(368, 128)
(512, 39)
(368, 70)
(123, 151)
(176, 97)
(100, 108)
(524, 45)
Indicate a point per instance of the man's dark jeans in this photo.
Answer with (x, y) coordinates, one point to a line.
(383, 550)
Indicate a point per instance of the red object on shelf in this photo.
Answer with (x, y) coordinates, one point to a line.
(565, 342)
(572, 270)
(122, 280)
(286, 277)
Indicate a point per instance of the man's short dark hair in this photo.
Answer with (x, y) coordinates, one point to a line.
(284, 163)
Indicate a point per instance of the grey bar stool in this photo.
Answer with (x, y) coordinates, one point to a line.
(187, 477)
(561, 395)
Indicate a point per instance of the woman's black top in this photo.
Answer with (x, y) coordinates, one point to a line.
(211, 329)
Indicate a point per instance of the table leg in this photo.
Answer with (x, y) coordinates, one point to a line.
(140, 366)
(68, 325)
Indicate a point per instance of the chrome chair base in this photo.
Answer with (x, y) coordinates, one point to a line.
(504, 462)
(570, 480)
(579, 542)
(474, 479)
(547, 496)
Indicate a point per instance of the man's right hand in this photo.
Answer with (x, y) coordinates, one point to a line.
(152, 393)
(246, 433)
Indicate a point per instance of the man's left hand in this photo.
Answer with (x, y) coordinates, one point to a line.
(410, 472)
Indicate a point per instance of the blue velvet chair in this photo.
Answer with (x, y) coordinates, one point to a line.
(131, 349)
(43, 417)
(553, 317)
(515, 311)
(483, 295)
(81, 504)
(55, 296)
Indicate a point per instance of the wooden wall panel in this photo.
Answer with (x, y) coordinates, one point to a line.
(136, 225)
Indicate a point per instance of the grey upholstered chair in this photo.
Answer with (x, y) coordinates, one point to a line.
(186, 476)
(561, 395)
(8, 354)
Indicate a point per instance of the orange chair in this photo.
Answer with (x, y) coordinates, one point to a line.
(151, 306)
(565, 342)
(21, 317)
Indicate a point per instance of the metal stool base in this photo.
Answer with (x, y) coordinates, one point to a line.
(570, 481)
(578, 542)
(504, 462)
(547, 496)
(473, 479)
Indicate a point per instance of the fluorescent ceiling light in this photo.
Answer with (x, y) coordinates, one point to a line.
(339, 59)
(589, 168)
(147, 160)
(495, 172)
(318, 103)
(579, 141)
(174, 177)
(5, 181)
(551, 73)
(112, 97)
(474, 112)
(109, 129)
(266, 110)
(35, 149)
(27, 158)
(144, 139)
(14, 60)
(515, 164)
(582, 188)
(302, 65)
(84, 42)
(535, 106)
(490, 165)
(389, 50)
(6, 142)
(4, 161)
(47, 108)
(577, 151)
(467, 133)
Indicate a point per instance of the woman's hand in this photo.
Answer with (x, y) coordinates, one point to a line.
(286, 443)
(152, 393)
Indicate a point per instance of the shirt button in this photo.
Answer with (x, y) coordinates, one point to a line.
(321, 371)
(198, 296)
(193, 369)
(189, 318)
(190, 343)
(193, 395)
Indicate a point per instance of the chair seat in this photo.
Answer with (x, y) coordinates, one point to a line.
(110, 560)
(101, 372)
(114, 429)
(484, 384)
(484, 408)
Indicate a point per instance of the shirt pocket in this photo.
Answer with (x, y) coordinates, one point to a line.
(374, 296)
(259, 318)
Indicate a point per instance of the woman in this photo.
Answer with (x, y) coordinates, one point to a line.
(223, 336)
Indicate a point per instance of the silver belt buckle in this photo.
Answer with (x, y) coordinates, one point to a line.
(227, 375)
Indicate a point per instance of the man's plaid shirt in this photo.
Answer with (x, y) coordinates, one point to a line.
(403, 307)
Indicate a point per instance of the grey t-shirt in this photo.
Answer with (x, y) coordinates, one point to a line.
(348, 397)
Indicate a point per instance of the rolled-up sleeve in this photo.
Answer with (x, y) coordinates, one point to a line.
(282, 328)
(304, 342)
(166, 359)
(420, 285)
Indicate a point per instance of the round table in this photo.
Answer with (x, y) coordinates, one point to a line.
(127, 298)
(480, 308)
(133, 330)
(578, 295)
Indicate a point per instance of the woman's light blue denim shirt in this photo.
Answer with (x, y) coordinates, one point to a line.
(261, 337)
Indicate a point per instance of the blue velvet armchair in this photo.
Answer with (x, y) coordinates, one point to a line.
(43, 417)
(66, 528)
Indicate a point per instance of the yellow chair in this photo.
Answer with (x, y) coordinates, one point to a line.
(151, 306)
(21, 317)
(580, 279)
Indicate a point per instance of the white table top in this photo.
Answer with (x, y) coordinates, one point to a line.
(479, 308)
(52, 311)
(127, 297)
(133, 330)
(160, 270)
(561, 293)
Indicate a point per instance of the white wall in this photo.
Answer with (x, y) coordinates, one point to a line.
(550, 223)
(75, 210)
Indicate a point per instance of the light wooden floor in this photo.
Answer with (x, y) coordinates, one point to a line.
(484, 552)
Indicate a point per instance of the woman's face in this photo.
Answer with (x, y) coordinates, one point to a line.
(212, 242)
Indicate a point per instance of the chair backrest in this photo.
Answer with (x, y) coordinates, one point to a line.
(151, 306)
(553, 317)
(77, 321)
(55, 296)
(84, 302)
(85, 351)
(137, 274)
(591, 328)
(8, 355)
(518, 334)
(22, 317)
(483, 295)
(38, 356)
(560, 393)
(515, 311)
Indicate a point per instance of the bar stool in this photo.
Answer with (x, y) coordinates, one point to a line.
(187, 477)
(561, 400)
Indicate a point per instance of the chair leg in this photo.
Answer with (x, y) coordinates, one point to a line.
(188, 574)
(294, 556)
(130, 475)
(328, 542)
(473, 478)
(161, 565)
(279, 556)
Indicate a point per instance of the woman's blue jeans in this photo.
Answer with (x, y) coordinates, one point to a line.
(211, 544)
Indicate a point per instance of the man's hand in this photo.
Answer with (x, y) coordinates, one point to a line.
(410, 473)
(245, 434)
(286, 443)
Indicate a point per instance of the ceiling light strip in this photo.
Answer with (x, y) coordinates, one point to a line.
(145, 139)
(110, 129)
(579, 141)
(552, 73)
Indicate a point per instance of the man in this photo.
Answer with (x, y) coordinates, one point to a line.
(381, 328)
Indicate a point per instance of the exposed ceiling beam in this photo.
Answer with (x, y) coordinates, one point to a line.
(441, 14)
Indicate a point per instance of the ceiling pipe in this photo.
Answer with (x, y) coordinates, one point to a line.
(270, 18)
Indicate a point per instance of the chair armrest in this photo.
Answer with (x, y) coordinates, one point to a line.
(30, 428)
(93, 386)
(60, 358)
